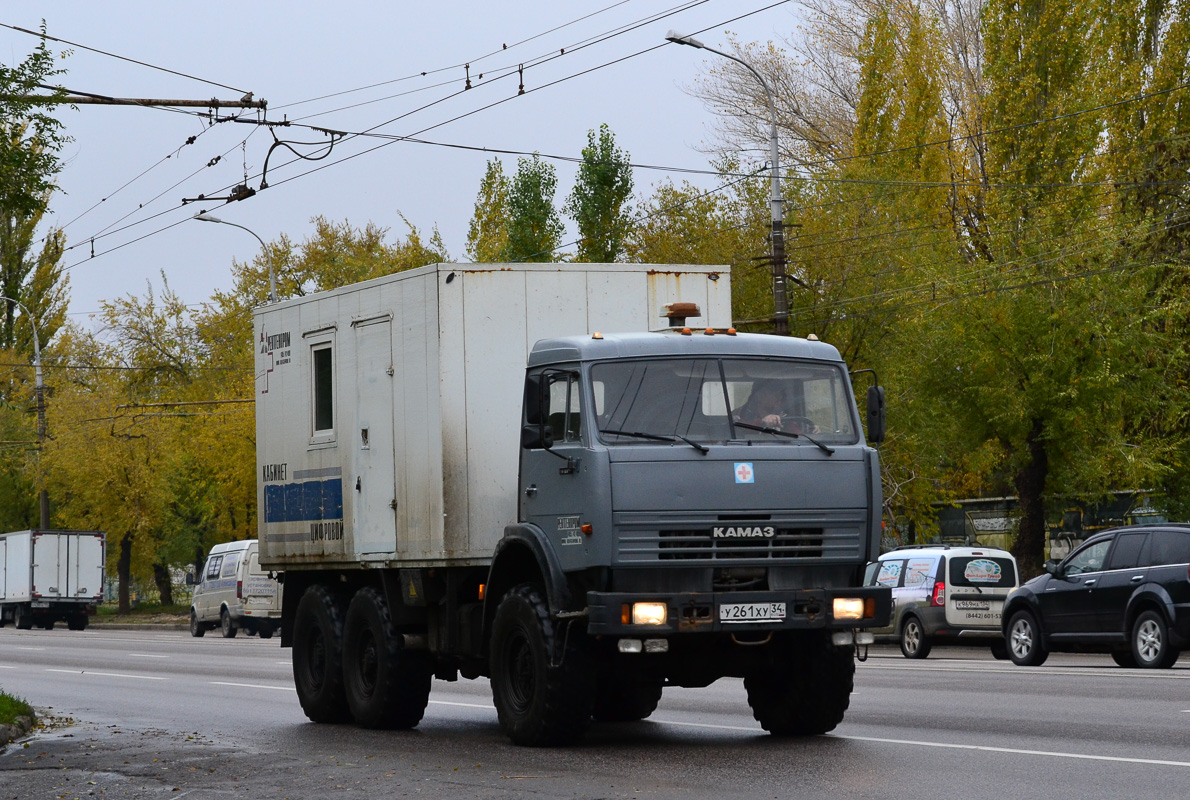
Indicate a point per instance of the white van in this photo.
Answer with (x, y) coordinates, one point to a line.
(233, 592)
(943, 594)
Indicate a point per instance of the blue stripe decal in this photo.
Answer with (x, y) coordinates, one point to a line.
(299, 502)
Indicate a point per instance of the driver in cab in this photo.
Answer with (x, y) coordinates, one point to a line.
(765, 408)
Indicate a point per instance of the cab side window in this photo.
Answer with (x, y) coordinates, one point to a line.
(213, 565)
(890, 573)
(1168, 547)
(1089, 559)
(919, 571)
(1126, 553)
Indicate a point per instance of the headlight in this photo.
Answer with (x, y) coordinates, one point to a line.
(849, 608)
(648, 613)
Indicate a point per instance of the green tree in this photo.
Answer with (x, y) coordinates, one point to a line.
(598, 202)
(487, 235)
(534, 227)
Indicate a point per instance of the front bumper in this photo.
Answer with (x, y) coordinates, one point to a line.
(699, 612)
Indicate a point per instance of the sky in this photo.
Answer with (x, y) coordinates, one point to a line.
(351, 66)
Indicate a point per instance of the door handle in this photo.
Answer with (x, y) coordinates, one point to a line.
(1137, 578)
(1090, 582)
(531, 490)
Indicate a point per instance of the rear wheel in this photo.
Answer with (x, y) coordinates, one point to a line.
(914, 642)
(22, 618)
(226, 626)
(77, 622)
(48, 624)
(542, 685)
(624, 700)
(265, 631)
(1025, 647)
(318, 655)
(1150, 642)
(806, 689)
(387, 686)
(197, 629)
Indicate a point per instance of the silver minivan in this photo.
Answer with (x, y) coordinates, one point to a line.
(943, 594)
(232, 593)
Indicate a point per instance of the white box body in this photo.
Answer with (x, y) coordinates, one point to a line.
(418, 466)
(51, 566)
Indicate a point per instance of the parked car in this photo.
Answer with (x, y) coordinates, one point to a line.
(234, 593)
(1125, 591)
(944, 594)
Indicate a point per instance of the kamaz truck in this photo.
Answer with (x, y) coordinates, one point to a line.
(558, 477)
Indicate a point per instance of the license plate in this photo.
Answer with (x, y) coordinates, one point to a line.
(972, 605)
(751, 612)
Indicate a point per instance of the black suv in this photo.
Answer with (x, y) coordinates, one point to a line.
(1125, 591)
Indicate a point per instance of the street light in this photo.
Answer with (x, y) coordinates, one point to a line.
(780, 297)
(39, 395)
(203, 216)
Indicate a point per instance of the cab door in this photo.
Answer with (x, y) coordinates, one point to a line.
(555, 487)
(1067, 604)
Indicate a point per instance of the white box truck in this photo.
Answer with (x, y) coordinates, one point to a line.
(50, 576)
(560, 477)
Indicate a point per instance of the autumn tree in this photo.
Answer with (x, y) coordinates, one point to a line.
(598, 202)
(487, 235)
(534, 226)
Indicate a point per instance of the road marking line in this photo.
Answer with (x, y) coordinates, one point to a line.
(107, 674)
(30, 648)
(146, 655)
(1015, 751)
(985, 748)
(462, 705)
(5, 666)
(1097, 672)
(253, 686)
(284, 663)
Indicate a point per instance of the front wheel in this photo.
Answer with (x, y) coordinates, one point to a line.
(805, 690)
(914, 642)
(1150, 642)
(387, 686)
(197, 629)
(226, 626)
(1025, 647)
(542, 685)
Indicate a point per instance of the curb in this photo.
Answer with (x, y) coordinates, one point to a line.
(18, 730)
(131, 626)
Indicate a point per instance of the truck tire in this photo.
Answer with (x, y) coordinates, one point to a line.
(387, 686)
(266, 631)
(22, 618)
(914, 642)
(226, 626)
(623, 700)
(1151, 647)
(77, 622)
(1025, 645)
(318, 655)
(543, 688)
(807, 688)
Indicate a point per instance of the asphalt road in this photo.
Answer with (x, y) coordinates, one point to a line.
(153, 714)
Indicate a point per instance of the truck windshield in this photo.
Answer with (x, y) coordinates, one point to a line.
(720, 400)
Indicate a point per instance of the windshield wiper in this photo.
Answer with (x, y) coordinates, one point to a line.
(658, 437)
(763, 429)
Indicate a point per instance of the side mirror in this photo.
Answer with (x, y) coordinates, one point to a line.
(536, 437)
(876, 414)
(1053, 567)
(190, 579)
(537, 399)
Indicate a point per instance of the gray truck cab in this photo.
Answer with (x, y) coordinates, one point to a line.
(686, 522)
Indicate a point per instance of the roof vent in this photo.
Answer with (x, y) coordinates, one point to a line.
(677, 313)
